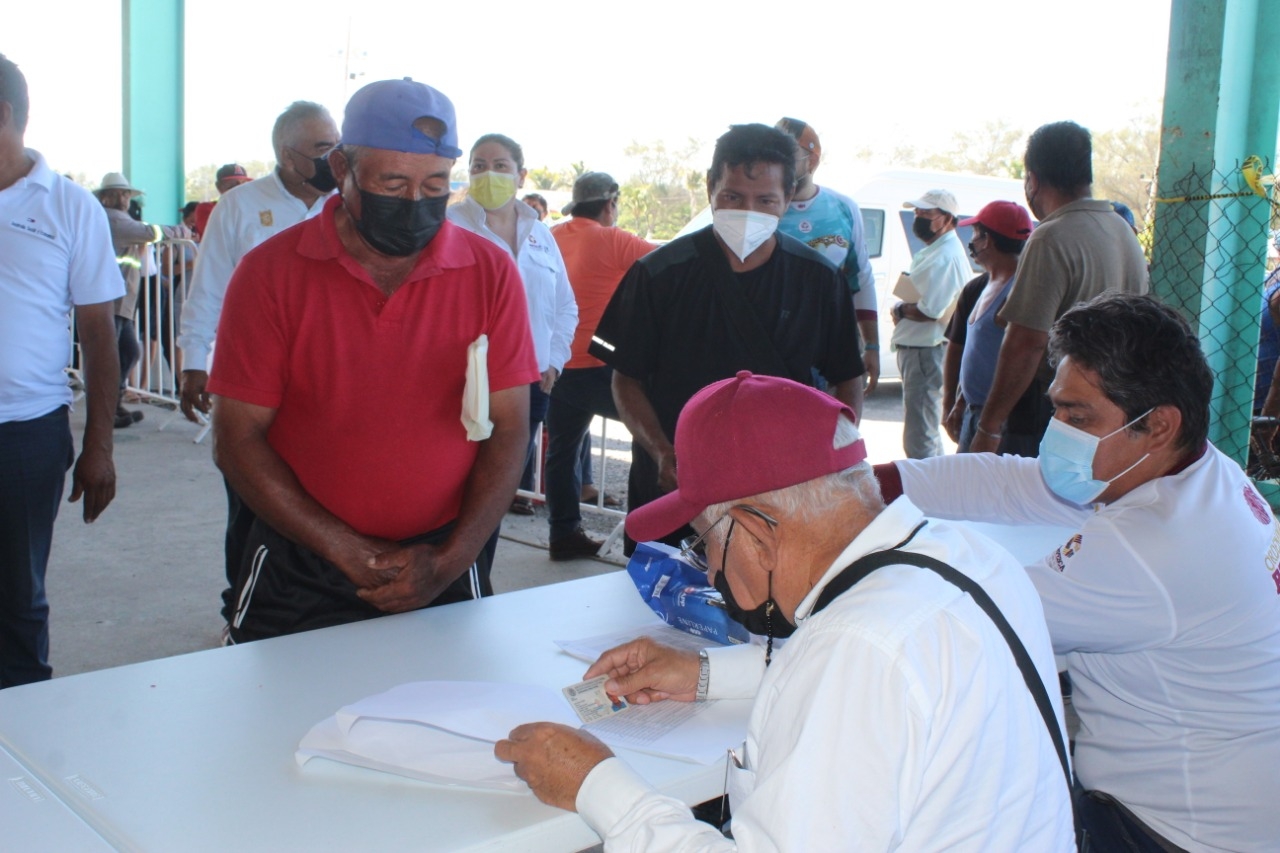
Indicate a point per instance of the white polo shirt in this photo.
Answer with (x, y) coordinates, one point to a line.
(243, 218)
(56, 251)
(553, 310)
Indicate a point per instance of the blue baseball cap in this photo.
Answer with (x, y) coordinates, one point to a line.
(382, 115)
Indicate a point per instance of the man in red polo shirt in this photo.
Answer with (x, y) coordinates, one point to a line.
(357, 413)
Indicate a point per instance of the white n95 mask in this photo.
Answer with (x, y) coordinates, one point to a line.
(743, 231)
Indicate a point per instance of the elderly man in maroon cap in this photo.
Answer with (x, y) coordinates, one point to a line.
(902, 713)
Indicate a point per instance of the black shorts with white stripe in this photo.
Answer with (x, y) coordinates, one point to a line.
(284, 588)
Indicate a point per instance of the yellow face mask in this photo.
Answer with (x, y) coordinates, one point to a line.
(492, 190)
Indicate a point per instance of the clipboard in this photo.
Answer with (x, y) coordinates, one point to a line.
(905, 290)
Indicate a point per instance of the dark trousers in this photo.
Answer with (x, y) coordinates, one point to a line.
(127, 344)
(34, 458)
(538, 401)
(239, 522)
(284, 588)
(1106, 826)
(579, 394)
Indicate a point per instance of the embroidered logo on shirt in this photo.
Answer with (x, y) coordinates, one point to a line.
(30, 226)
(805, 226)
(265, 218)
(1261, 511)
(1058, 559)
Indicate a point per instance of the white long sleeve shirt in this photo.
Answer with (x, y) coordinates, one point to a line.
(553, 311)
(894, 719)
(1166, 604)
(243, 218)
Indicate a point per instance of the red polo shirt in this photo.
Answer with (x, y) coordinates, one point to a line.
(368, 390)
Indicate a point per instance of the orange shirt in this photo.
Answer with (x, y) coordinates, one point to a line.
(596, 259)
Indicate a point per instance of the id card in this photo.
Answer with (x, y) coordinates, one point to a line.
(591, 702)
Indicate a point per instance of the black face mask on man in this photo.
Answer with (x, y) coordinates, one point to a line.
(323, 179)
(765, 619)
(922, 228)
(399, 226)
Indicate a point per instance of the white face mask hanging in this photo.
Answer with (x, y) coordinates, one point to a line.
(743, 231)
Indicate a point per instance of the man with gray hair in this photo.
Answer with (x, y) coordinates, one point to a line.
(246, 216)
(901, 714)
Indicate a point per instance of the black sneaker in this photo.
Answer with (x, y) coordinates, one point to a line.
(577, 545)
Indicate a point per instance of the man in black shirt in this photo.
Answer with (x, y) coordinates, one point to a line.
(731, 297)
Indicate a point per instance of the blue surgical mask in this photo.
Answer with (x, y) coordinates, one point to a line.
(1066, 460)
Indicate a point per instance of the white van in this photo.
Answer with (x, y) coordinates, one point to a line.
(890, 242)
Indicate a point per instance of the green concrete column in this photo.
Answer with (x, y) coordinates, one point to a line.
(153, 104)
(1222, 94)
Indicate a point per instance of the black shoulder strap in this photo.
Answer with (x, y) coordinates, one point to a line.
(864, 566)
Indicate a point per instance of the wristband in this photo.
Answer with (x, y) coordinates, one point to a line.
(871, 348)
(978, 428)
(704, 676)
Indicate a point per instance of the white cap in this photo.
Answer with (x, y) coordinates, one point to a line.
(936, 200)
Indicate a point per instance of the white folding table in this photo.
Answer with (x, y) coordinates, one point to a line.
(196, 752)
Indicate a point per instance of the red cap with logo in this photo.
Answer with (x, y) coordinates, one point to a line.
(1006, 218)
(745, 436)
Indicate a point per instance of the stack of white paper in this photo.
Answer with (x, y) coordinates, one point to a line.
(444, 731)
(436, 731)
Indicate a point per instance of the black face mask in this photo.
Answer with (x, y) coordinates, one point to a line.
(323, 179)
(922, 228)
(399, 226)
(765, 619)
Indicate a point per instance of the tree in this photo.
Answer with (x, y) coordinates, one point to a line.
(995, 150)
(545, 178)
(200, 184)
(1125, 161)
(664, 192)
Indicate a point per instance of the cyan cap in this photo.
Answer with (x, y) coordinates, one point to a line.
(382, 115)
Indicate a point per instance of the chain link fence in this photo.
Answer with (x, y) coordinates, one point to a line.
(1213, 227)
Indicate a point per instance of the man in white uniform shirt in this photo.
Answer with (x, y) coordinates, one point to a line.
(1165, 603)
(246, 216)
(57, 256)
(938, 272)
(895, 718)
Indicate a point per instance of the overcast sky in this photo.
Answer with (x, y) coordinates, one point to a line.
(578, 80)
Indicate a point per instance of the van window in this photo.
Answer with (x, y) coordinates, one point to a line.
(873, 230)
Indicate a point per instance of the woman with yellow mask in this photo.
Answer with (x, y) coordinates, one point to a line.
(491, 210)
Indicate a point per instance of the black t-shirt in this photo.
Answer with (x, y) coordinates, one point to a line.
(671, 327)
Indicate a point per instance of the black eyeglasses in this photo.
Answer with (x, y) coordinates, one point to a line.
(694, 548)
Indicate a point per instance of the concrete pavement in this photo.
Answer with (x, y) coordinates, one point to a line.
(144, 580)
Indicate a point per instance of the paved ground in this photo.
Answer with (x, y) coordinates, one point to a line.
(144, 580)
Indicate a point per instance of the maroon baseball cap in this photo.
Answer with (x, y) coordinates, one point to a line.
(232, 171)
(745, 436)
(1006, 218)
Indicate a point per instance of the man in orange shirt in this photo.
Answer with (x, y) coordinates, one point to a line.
(597, 255)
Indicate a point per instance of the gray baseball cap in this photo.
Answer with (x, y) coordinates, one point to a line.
(591, 186)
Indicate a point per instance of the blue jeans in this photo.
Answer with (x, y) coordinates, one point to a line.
(34, 458)
(580, 394)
